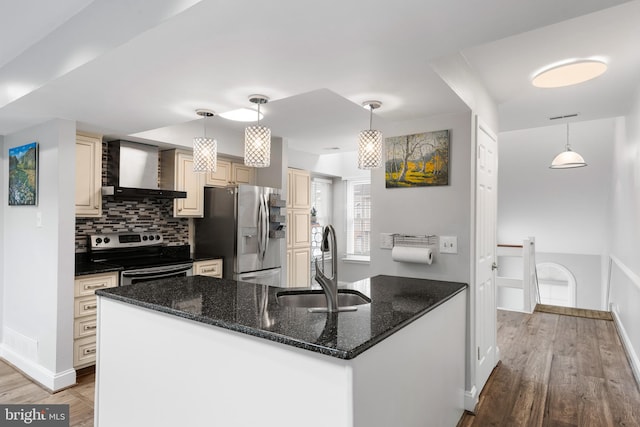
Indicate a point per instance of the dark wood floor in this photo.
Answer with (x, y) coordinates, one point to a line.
(558, 370)
(16, 388)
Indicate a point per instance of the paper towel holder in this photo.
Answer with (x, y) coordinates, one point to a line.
(419, 241)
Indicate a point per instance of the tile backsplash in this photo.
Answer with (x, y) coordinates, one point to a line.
(136, 216)
(132, 216)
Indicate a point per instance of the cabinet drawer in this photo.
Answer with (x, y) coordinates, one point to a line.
(84, 351)
(87, 285)
(84, 327)
(85, 306)
(211, 268)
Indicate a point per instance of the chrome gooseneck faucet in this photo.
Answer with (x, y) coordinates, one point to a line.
(329, 284)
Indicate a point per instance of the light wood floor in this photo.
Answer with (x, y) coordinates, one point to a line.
(558, 370)
(16, 388)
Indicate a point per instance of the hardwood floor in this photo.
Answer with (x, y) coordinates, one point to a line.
(558, 370)
(16, 388)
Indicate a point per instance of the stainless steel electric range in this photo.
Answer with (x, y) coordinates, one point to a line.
(142, 256)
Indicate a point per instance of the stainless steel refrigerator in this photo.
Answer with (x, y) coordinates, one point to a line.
(245, 226)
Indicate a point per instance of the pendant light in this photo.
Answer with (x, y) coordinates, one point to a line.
(205, 150)
(257, 139)
(370, 142)
(568, 158)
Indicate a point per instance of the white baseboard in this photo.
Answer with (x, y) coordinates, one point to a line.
(471, 399)
(634, 361)
(52, 381)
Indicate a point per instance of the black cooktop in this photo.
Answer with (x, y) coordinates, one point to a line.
(144, 257)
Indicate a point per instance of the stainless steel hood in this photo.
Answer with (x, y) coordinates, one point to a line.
(132, 172)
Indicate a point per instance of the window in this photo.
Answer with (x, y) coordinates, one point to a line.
(322, 201)
(359, 219)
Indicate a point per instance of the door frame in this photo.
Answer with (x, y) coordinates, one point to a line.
(473, 371)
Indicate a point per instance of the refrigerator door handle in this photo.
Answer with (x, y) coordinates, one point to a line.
(262, 225)
(266, 227)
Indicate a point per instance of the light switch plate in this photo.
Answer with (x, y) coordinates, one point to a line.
(448, 244)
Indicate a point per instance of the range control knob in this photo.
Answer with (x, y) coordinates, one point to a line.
(157, 237)
(151, 237)
(144, 237)
(98, 240)
(107, 240)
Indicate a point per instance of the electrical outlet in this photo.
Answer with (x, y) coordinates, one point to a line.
(448, 245)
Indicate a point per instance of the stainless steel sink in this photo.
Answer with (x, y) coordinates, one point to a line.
(317, 298)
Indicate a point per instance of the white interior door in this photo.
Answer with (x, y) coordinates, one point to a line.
(486, 206)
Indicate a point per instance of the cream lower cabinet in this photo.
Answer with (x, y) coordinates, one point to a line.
(88, 176)
(85, 309)
(177, 174)
(298, 267)
(211, 268)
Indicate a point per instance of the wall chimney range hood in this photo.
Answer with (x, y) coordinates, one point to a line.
(132, 172)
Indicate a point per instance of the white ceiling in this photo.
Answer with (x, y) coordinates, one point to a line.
(140, 67)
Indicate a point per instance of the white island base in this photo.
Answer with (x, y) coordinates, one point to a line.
(156, 369)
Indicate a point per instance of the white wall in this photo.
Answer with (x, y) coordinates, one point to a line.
(37, 312)
(3, 197)
(343, 164)
(566, 210)
(624, 241)
(441, 210)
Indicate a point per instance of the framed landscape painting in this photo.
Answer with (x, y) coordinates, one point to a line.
(23, 175)
(418, 160)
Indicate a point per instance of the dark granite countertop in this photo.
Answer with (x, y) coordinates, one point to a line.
(240, 306)
(84, 266)
(198, 256)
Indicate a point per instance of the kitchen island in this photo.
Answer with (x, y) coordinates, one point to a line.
(206, 351)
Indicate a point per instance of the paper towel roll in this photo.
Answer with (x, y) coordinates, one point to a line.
(412, 254)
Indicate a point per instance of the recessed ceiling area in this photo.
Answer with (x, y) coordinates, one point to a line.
(143, 69)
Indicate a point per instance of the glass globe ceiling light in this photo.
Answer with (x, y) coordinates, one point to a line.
(569, 73)
(205, 150)
(370, 142)
(257, 139)
(568, 158)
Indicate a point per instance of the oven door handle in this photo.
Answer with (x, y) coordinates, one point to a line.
(156, 273)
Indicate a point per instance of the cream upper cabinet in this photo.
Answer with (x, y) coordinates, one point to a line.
(88, 176)
(289, 187)
(177, 174)
(221, 177)
(300, 189)
(241, 174)
(230, 173)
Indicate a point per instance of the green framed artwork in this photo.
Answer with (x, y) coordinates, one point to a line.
(418, 160)
(23, 175)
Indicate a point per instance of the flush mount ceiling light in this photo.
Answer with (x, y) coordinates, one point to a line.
(241, 115)
(568, 74)
(370, 142)
(257, 139)
(568, 158)
(205, 150)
